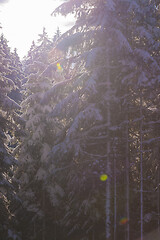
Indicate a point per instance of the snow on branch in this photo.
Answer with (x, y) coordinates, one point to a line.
(151, 140)
(86, 117)
(58, 151)
(144, 33)
(91, 83)
(5, 183)
(65, 104)
(53, 91)
(142, 78)
(9, 82)
(128, 78)
(41, 174)
(110, 5)
(146, 56)
(121, 39)
(75, 39)
(133, 6)
(18, 119)
(10, 103)
(91, 56)
(67, 7)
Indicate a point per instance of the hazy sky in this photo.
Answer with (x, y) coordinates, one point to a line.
(3, 1)
(23, 20)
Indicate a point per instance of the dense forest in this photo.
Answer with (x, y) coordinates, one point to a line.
(80, 127)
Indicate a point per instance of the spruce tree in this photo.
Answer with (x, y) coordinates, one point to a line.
(35, 145)
(9, 129)
(111, 40)
(90, 160)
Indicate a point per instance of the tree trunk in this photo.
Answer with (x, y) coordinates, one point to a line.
(93, 234)
(127, 179)
(44, 220)
(55, 226)
(158, 199)
(108, 167)
(34, 226)
(141, 166)
(115, 199)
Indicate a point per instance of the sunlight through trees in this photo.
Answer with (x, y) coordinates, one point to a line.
(79, 127)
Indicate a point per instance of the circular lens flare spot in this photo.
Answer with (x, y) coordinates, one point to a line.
(103, 177)
(123, 221)
(59, 67)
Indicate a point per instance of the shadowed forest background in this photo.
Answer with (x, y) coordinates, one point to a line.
(80, 127)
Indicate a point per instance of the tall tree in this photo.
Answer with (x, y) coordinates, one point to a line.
(36, 143)
(130, 44)
(91, 113)
(9, 129)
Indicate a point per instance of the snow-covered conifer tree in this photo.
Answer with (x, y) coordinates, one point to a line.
(9, 129)
(121, 32)
(36, 144)
(91, 111)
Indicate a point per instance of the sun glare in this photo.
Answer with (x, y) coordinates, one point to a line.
(23, 20)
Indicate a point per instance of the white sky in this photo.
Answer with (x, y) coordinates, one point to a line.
(23, 20)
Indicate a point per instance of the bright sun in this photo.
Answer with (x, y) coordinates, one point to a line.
(23, 20)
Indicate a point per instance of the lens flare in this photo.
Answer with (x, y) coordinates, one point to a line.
(123, 221)
(59, 67)
(103, 177)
